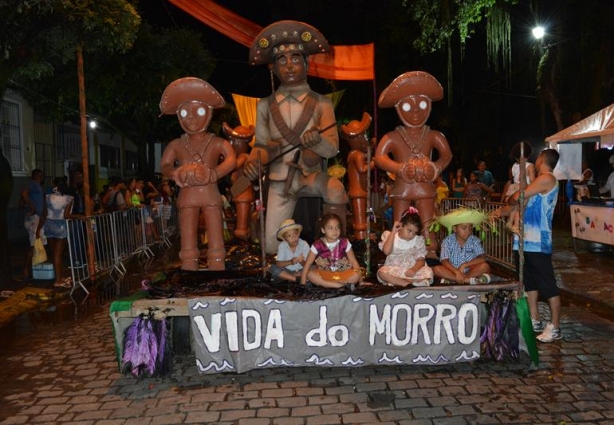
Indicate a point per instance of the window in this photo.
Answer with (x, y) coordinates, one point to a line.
(132, 161)
(10, 135)
(109, 157)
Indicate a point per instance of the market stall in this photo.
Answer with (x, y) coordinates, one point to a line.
(592, 215)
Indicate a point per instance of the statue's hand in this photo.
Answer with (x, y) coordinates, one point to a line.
(194, 175)
(311, 138)
(250, 170)
(430, 171)
(408, 172)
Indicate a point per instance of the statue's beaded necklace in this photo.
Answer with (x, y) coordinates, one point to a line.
(197, 158)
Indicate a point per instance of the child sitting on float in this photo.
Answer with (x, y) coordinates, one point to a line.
(462, 256)
(291, 253)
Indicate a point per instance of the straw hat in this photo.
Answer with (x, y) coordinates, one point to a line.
(286, 225)
(462, 215)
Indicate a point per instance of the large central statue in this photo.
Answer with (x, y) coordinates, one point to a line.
(293, 116)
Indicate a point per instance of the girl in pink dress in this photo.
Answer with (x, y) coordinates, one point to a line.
(336, 264)
(405, 251)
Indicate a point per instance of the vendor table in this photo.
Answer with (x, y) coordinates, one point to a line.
(594, 223)
(434, 325)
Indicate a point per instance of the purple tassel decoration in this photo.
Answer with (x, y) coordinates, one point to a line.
(147, 351)
(500, 337)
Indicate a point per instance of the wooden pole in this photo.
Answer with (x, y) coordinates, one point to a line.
(86, 167)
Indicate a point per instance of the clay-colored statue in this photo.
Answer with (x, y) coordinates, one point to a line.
(202, 158)
(239, 138)
(294, 115)
(406, 151)
(355, 132)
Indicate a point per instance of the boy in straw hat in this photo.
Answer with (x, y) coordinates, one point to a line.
(291, 252)
(293, 116)
(407, 150)
(198, 154)
(462, 255)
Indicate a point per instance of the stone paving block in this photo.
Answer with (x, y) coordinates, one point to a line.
(234, 415)
(43, 419)
(15, 420)
(359, 418)
(393, 415)
(291, 401)
(410, 403)
(306, 411)
(261, 402)
(84, 407)
(240, 395)
(345, 389)
(288, 421)
(276, 412)
(354, 398)
(208, 397)
(428, 412)
(176, 418)
(277, 392)
(111, 422)
(323, 399)
(202, 417)
(323, 420)
(293, 384)
(308, 391)
(228, 405)
(404, 384)
(338, 408)
(460, 410)
(254, 421)
(55, 408)
(128, 412)
(92, 415)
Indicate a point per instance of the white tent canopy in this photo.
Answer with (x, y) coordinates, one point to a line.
(598, 127)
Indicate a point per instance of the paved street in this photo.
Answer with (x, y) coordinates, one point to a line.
(67, 374)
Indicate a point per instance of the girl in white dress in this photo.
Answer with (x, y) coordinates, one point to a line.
(405, 251)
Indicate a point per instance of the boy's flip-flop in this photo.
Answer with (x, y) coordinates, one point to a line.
(66, 283)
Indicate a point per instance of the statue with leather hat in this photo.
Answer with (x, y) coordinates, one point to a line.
(293, 116)
(407, 151)
(356, 134)
(197, 154)
(239, 137)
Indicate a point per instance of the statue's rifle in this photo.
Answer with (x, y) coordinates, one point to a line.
(243, 182)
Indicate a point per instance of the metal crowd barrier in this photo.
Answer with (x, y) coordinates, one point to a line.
(117, 238)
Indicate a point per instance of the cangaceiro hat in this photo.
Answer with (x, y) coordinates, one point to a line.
(286, 225)
(189, 89)
(238, 133)
(355, 127)
(286, 36)
(410, 84)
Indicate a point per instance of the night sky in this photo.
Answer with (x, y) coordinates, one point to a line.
(490, 110)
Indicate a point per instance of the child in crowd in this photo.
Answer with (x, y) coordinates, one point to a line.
(462, 255)
(459, 184)
(473, 189)
(513, 221)
(291, 253)
(405, 251)
(336, 264)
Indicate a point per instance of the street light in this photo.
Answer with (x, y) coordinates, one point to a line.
(538, 32)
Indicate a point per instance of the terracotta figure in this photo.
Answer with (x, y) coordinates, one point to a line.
(294, 115)
(355, 132)
(202, 159)
(239, 138)
(407, 150)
